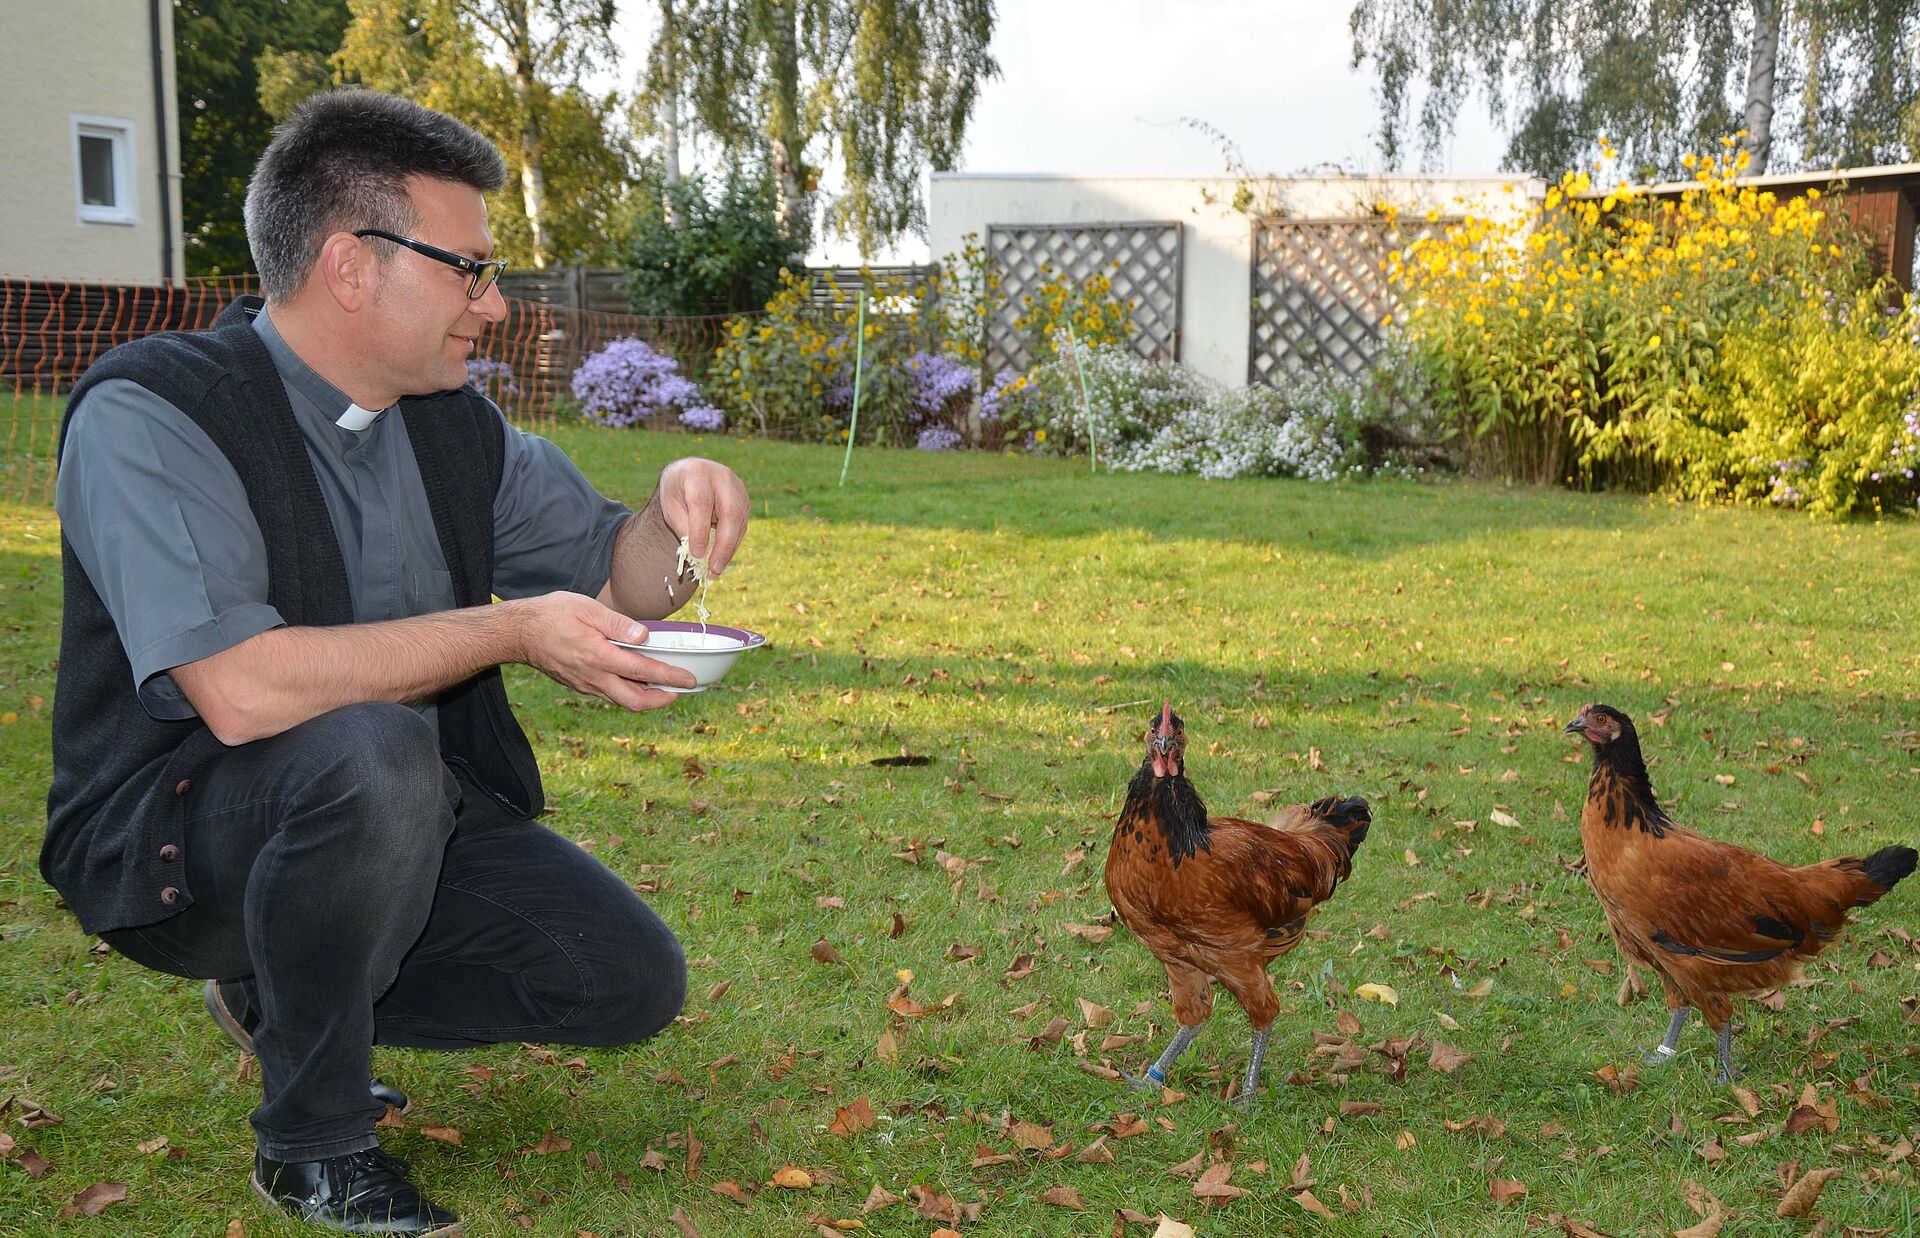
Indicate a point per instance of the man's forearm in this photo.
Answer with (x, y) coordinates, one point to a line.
(646, 582)
(283, 677)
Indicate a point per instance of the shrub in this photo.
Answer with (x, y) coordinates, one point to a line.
(627, 382)
(1657, 344)
(722, 254)
(493, 379)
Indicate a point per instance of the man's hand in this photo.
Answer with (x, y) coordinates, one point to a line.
(701, 496)
(566, 638)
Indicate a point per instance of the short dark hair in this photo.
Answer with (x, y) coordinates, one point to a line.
(340, 163)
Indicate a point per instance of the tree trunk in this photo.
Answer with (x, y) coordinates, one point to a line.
(526, 84)
(785, 119)
(670, 106)
(1760, 71)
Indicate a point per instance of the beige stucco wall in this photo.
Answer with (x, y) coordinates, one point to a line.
(59, 58)
(1216, 239)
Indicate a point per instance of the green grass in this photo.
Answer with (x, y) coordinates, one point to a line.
(1422, 645)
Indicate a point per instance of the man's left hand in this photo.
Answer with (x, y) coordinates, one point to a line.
(705, 502)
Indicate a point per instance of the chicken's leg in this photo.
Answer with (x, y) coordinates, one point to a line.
(1663, 1052)
(1728, 1072)
(1245, 1099)
(1156, 1075)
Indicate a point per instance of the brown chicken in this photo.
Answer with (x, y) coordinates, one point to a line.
(1219, 898)
(1712, 920)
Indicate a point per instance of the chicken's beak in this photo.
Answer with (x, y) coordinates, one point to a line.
(1578, 726)
(1163, 735)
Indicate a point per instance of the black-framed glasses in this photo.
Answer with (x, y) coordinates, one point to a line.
(480, 274)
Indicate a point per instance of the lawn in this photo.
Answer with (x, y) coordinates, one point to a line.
(1016, 620)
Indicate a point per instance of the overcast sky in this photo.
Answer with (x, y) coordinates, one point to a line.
(1100, 86)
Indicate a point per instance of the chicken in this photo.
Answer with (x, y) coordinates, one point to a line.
(1217, 899)
(1712, 920)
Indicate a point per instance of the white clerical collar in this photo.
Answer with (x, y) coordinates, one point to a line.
(356, 418)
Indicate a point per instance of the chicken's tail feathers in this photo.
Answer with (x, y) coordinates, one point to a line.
(1351, 815)
(1882, 870)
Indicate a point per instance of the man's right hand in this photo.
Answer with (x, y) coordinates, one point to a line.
(567, 637)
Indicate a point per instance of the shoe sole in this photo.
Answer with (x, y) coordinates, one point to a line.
(455, 1230)
(225, 1020)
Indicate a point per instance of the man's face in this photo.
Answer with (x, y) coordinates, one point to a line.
(425, 328)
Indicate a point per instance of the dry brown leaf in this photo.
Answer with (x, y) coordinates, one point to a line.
(793, 1178)
(1404, 1141)
(878, 1198)
(1096, 1153)
(1505, 1191)
(694, 1149)
(933, 1205)
(1189, 1168)
(145, 1148)
(1709, 1227)
(96, 1199)
(1093, 934)
(1021, 967)
(549, 1143)
(719, 991)
(1802, 1196)
(1063, 1197)
(1095, 1015)
(1446, 1059)
(1170, 1228)
(1359, 1108)
(850, 1120)
(1347, 1022)
(683, 1223)
(236, 1229)
(733, 1191)
(823, 952)
(1218, 1191)
(1029, 1137)
(445, 1134)
(1306, 1200)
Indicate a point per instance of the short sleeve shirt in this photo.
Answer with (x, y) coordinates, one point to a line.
(159, 520)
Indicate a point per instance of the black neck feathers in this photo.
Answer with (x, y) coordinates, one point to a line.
(1620, 775)
(1174, 806)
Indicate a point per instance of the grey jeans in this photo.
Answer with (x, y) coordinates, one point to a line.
(369, 896)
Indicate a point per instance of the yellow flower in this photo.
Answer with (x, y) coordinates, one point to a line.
(1039, 436)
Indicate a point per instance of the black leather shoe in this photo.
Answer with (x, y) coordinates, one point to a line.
(359, 1193)
(227, 1003)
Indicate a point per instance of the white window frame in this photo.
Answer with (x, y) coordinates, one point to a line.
(125, 170)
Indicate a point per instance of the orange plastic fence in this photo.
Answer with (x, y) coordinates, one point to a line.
(52, 330)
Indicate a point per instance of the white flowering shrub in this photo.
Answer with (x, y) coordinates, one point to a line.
(1163, 417)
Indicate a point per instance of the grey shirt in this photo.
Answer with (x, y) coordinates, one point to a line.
(159, 519)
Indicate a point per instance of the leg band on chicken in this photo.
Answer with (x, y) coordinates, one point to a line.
(1156, 1075)
(1665, 1051)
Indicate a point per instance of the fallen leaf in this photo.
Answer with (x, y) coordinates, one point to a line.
(1063, 1197)
(824, 953)
(793, 1178)
(683, 1223)
(877, 1199)
(1020, 968)
(1189, 1168)
(1503, 819)
(1801, 1197)
(887, 1048)
(1306, 1200)
(445, 1134)
(1446, 1059)
(733, 1191)
(1029, 1137)
(1095, 1015)
(1378, 993)
(1404, 1141)
(850, 1120)
(1505, 1191)
(1347, 1023)
(149, 1147)
(1359, 1108)
(96, 1199)
(236, 1229)
(1709, 1227)
(1170, 1228)
(1096, 1153)
(1093, 934)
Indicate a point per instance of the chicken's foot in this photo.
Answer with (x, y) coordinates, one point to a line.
(1663, 1052)
(1245, 1099)
(1728, 1072)
(1156, 1075)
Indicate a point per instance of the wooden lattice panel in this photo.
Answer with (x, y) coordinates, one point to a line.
(1142, 260)
(1320, 292)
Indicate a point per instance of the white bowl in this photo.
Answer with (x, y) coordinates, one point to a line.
(708, 651)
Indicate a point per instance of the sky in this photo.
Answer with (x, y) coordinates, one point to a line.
(1101, 87)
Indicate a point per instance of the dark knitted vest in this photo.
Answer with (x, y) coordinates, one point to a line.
(123, 780)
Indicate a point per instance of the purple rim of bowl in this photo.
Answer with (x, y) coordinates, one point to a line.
(748, 640)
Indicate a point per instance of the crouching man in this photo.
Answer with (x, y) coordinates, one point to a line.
(284, 760)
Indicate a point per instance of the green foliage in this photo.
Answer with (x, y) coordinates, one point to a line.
(234, 63)
(1659, 344)
(1661, 77)
(885, 86)
(721, 253)
(447, 55)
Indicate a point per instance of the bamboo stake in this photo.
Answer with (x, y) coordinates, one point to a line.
(859, 365)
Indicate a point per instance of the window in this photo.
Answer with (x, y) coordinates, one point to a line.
(103, 170)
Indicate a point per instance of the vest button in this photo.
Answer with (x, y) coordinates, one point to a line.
(169, 853)
(170, 896)
(183, 786)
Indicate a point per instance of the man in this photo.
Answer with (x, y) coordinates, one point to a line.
(283, 756)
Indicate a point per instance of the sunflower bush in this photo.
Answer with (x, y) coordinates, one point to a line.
(1725, 345)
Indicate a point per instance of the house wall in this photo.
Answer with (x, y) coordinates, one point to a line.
(88, 58)
(1216, 237)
